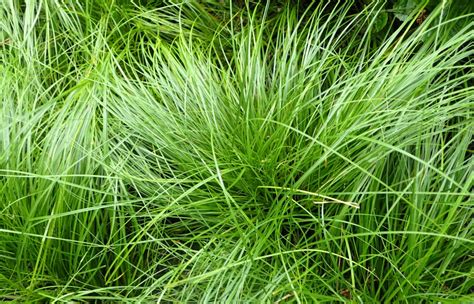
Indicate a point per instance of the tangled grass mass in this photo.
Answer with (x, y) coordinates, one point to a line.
(236, 151)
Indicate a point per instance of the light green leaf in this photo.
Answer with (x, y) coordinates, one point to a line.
(403, 8)
(380, 21)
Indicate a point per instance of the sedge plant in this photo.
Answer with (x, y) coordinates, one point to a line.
(187, 152)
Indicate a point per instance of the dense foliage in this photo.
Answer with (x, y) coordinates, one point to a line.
(236, 151)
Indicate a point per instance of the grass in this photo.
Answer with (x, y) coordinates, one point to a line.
(188, 152)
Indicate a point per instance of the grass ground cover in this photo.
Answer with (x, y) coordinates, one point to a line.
(235, 152)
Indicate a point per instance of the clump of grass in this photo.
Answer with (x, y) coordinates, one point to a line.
(172, 153)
